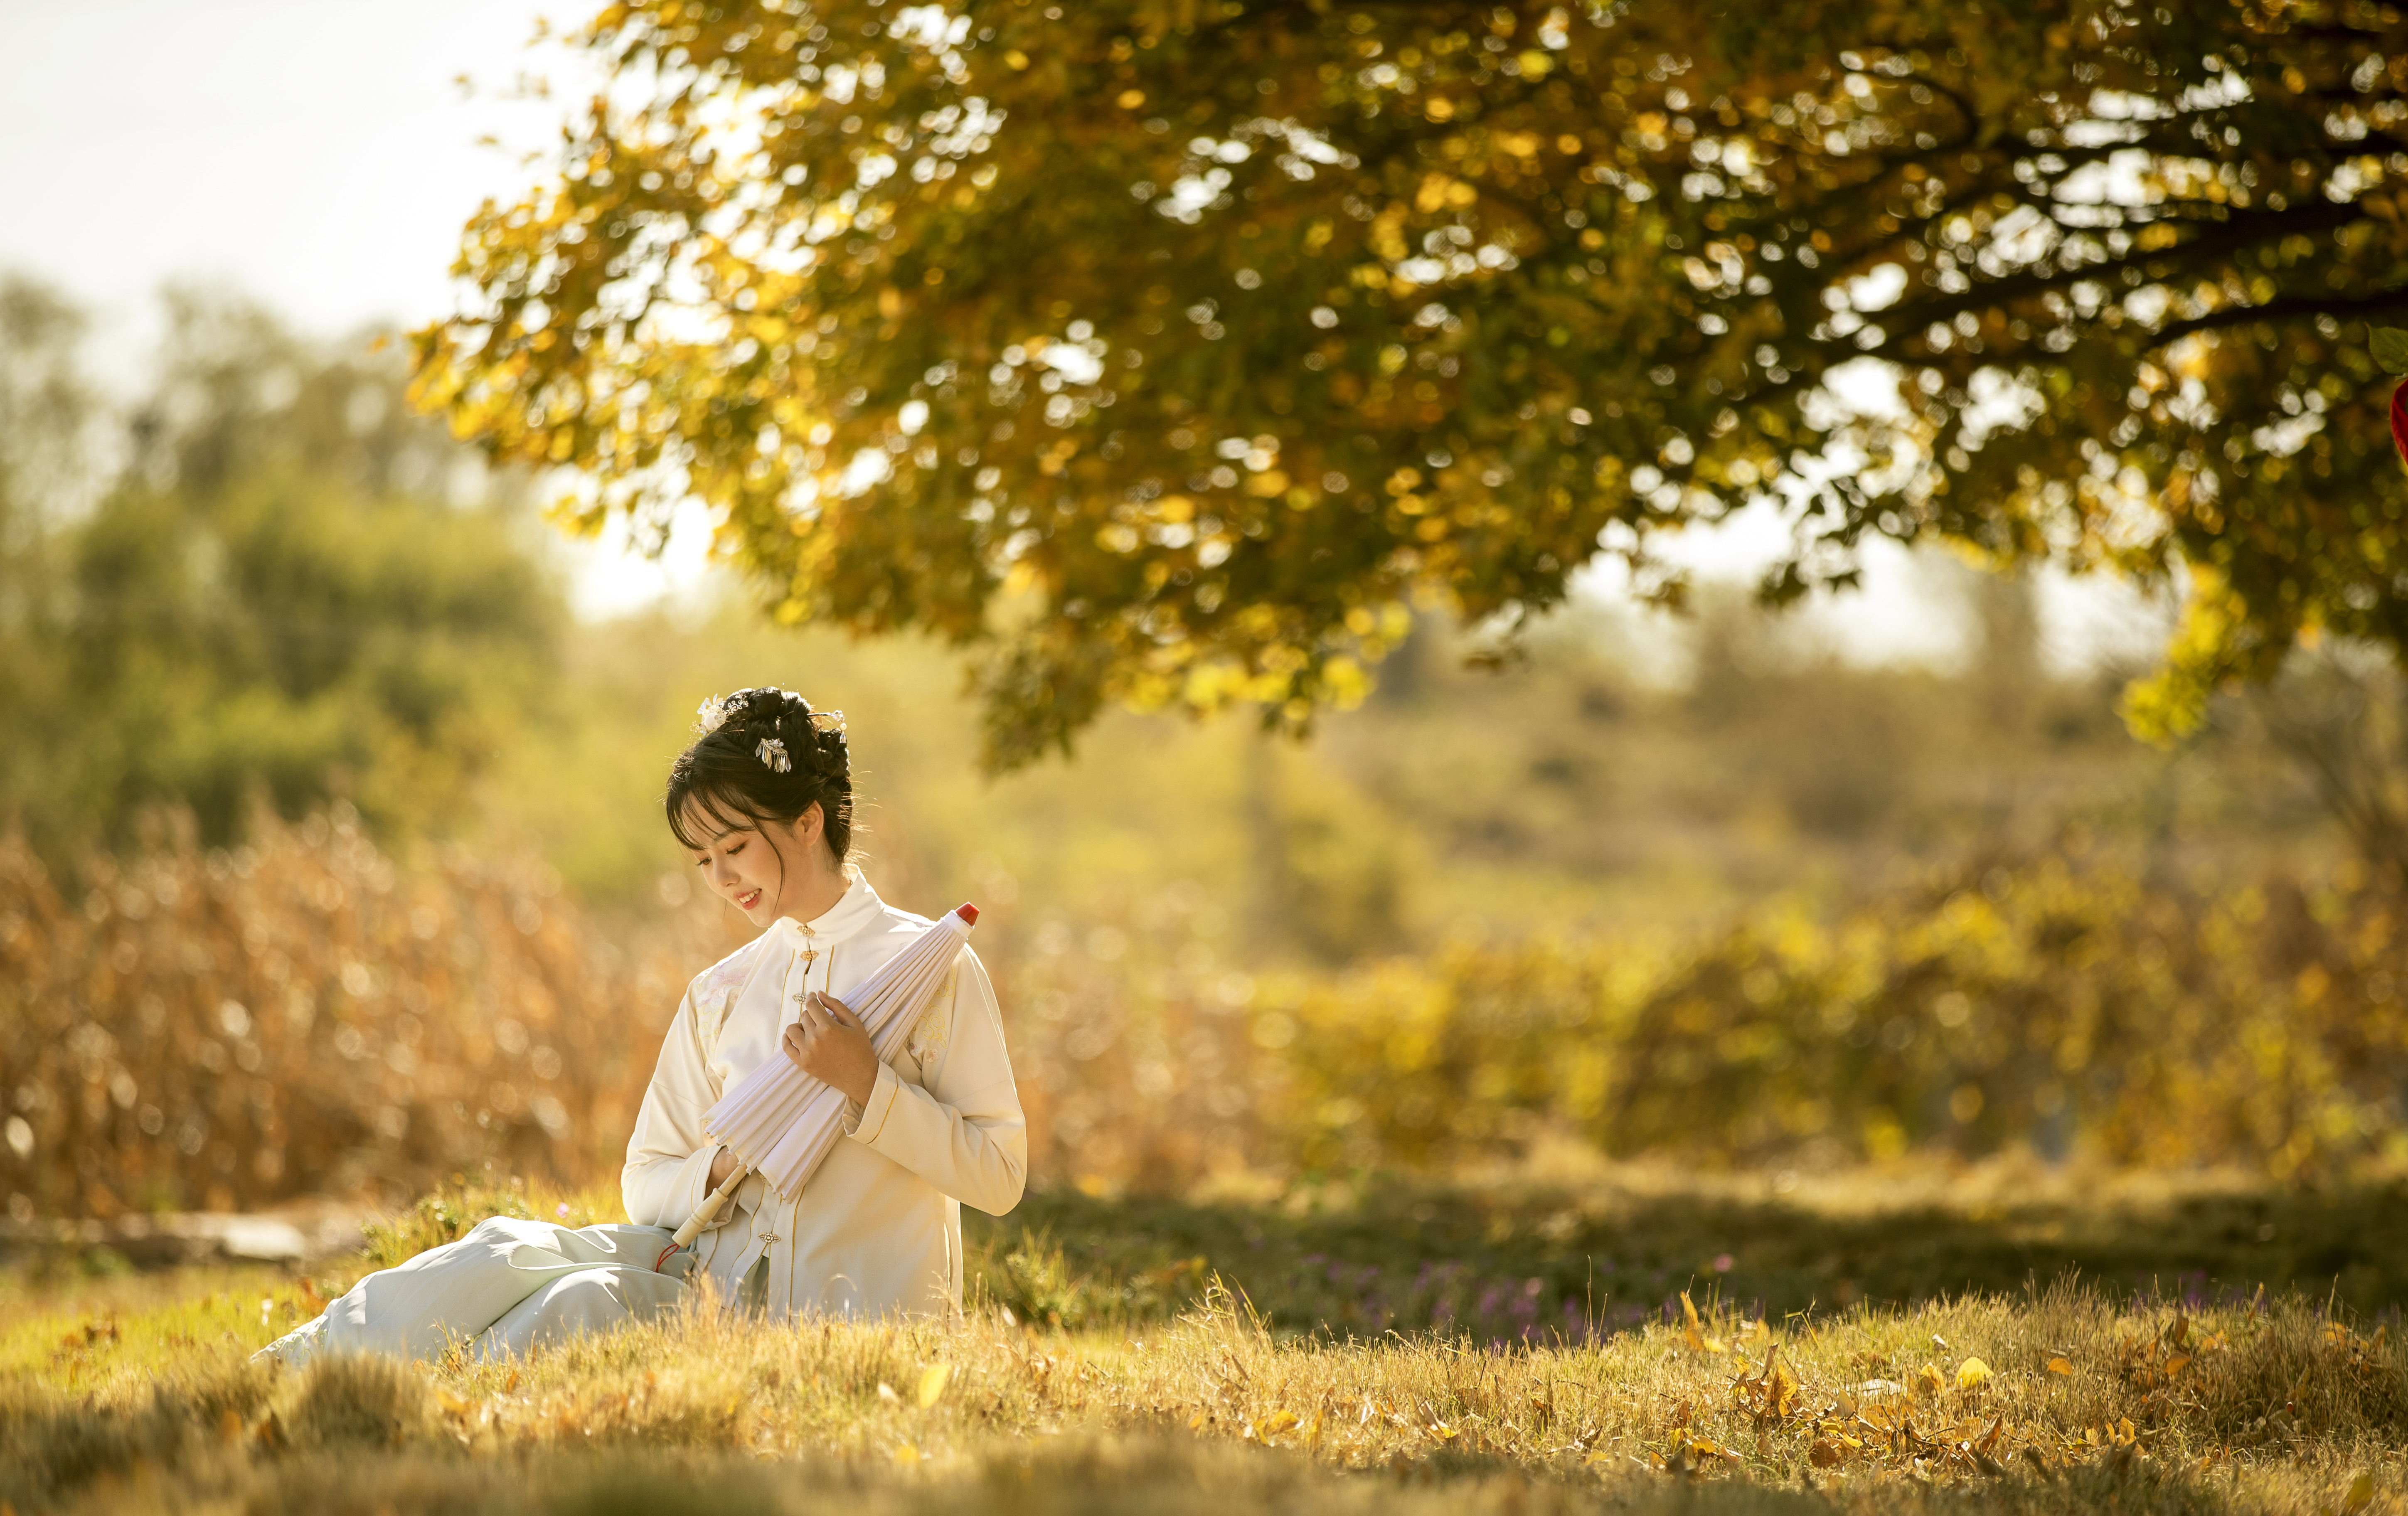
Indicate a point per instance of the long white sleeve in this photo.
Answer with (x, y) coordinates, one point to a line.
(964, 1132)
(668, 1159)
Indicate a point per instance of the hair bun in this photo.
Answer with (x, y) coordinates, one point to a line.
(763, 752)
(756, 709)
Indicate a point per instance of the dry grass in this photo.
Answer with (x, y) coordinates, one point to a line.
(2085, 1402)
(306, 1015)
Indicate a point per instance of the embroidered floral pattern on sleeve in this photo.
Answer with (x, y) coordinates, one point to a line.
(714, 992)
(933, 1032)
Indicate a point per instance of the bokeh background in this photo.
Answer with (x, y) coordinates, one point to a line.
(333, 863)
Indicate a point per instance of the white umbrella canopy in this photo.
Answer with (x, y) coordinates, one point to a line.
(780, 1120)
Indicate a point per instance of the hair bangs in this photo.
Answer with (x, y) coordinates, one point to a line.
(721, 808)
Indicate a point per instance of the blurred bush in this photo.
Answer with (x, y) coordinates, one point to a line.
(271, 577)
(2069, 1004)
(302, 1013)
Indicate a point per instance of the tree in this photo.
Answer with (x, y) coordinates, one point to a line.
(272, 594)
(1161, 351)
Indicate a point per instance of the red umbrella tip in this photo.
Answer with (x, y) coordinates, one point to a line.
(966, 912)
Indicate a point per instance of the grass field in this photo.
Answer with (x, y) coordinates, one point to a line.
(1275, 1352)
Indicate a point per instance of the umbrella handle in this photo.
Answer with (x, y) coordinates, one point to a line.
(711, 1205)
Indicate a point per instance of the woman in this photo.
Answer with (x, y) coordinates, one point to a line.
(764, 798)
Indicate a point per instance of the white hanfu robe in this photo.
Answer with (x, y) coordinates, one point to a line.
(877, 1230)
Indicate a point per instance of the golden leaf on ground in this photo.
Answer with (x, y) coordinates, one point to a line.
(2177, 1363)
(452, 1404)
(1689, 1329)
(933, 1380)
(1972, 1374)
(1822, 1454)
(2361, 1493)
(1280, 1420)
(2060, 1365)
(1929, 1381)
(1780, 1395)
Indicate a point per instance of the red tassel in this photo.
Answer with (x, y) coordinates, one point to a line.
(2399, 420)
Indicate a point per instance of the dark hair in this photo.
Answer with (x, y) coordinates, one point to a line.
(765, 756)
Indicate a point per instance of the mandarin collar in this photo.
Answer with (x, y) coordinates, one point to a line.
(856, 909)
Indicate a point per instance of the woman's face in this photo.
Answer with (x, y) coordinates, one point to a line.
(762, 869)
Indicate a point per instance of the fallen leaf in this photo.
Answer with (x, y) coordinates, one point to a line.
(1972, 1374)
(2177, 1363)
(1822, 1454)
(1929, 1381)
(2361, 1493)
(1280, 1420)
(1780, 1395)
(2060, 1365)
(932, 1383)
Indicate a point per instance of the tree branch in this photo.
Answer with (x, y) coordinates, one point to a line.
(2289, 308)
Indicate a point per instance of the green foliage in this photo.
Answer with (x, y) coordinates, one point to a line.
(2390, 345)
(270, 598)
(1027, 1273)
(1162, 353)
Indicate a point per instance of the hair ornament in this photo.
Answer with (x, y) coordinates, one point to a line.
(828, 721)
(772, 754)
(713, 713)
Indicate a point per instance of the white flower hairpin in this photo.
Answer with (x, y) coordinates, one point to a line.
(712, 714)
(828, 721)
(772, 752)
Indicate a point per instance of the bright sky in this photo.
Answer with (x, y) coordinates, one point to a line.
(319, 155)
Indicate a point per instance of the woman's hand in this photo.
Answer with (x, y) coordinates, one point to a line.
(832, 1045)
(721, 1167)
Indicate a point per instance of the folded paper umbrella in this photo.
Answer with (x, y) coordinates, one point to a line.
(780, 1121)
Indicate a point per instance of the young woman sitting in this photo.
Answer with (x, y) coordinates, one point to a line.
(764, 800)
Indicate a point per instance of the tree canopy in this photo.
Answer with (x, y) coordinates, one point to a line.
(1162, 352)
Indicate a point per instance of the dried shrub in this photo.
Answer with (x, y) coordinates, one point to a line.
(303, 1014)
